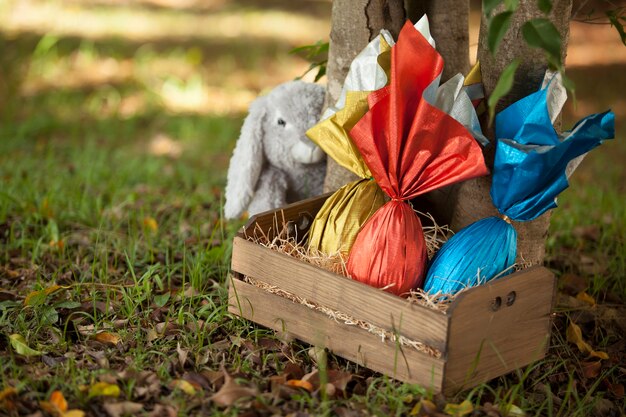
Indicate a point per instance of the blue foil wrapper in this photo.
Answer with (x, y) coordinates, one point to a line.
(532, 166)
(476, 254)
(532, 169)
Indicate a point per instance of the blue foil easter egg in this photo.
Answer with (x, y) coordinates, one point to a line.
(475, 255)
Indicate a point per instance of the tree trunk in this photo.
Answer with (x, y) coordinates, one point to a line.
(449, 25)
(473, 202)
(354, 24)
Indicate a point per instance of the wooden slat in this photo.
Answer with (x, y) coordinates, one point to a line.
(484, 344)
(342, 294)
(349, 342)
(272, 220)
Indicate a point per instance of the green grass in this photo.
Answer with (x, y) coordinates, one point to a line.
(137, 245)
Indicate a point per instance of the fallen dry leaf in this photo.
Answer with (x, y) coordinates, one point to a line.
(149, 223)
(184, 386)
(424, 405)
(58, 400)
(35, 296)
(617, 390)
(586, 298)
(8, 392)
(459, 410)
(57, 406)
(161, 410)
(298, 383)
(151, 335)
(182, 356)
(339, 379)
(74, 413)
(230, 392)
(591, 369)
(7, 295)
(108, 338)
(575, 335)
(7, 399)
(198, 381)
(293, 371)
(104, 389)
(122, 408)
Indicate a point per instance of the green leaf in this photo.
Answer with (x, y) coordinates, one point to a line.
(503, 86)
(545, 6)
(511, 5)
(161, 300)
(21, 347)
(498, 26)
(541, 33)
(312, 51)
(49, 315)
(320, 72)
(70, 305)
(615, 18)
(489, 5)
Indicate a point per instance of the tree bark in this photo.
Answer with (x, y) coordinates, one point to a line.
(449, 25)
(473, 200)
(354, 24)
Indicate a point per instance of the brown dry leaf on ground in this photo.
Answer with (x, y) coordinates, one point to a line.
(7, 399)
(575, 335)
(6, 295)
(123, 408)
(231, 392)
(57, 406)
(586, 298)
(106, 338)
(162, 410)
(591, 369)
(183, 385)
(299, 383)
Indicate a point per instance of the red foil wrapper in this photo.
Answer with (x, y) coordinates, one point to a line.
(411, 148)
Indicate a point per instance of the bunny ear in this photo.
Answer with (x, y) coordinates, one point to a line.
(246, 163)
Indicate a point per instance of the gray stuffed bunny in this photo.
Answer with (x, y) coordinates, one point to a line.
(274, 163)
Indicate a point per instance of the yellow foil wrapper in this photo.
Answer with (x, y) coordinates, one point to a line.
(474, 76)
(338, 222)
(332, 134)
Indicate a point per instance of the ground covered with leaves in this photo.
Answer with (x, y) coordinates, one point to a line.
(114, 256)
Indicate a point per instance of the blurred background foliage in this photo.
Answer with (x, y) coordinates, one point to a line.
(168, 82)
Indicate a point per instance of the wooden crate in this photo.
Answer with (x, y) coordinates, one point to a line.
(486, 332)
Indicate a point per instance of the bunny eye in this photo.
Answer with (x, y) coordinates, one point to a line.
(281, 122)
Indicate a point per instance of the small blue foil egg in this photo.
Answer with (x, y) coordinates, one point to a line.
(475, 255)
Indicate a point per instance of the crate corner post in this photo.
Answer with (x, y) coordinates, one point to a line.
(499, 327)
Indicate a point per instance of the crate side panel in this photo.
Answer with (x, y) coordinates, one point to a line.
(341, 294)
(272, 221)
(484, 343)
(349, 342)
